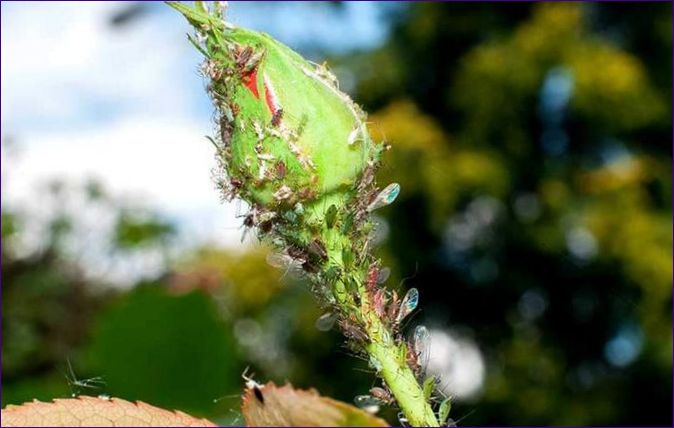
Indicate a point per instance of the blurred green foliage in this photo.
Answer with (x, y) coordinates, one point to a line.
(533, 146)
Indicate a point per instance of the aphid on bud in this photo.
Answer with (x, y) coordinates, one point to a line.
(226, 130)
(276, 117)
(331, 216)
(243, 55)
(297, 253)
(236, 183)
(307, 193)
(354, 134)
(284, 192)
(280, 170)
(317, 249)
(385, 197)
(382, 395)
(347, 223)
(326, 321)
(367, 403)
(309, 267)
(249, 220)
(247, 60)
(409, 304)
(266, 226)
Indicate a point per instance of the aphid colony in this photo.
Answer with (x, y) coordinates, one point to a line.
(310, 256)
(322, 231)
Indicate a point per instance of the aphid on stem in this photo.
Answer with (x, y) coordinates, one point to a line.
(382, 395)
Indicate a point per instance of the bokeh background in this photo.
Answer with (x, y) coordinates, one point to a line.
(533, 146)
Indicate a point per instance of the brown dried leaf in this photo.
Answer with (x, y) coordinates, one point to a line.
(285, 406)
(93, 411)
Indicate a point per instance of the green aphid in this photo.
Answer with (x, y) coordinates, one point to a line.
(429, 385)
(443, 410)
(331, 216)
(347, 257)
(347, 223)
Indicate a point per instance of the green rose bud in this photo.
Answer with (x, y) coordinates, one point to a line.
(287, 133)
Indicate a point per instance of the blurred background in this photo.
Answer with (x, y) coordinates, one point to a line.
(533, 146)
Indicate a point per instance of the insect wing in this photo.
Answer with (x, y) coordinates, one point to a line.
(409, 304)
(385, 197)
(326, 321)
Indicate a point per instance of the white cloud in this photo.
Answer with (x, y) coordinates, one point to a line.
(161, 164)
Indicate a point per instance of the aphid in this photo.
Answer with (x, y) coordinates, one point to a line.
(236, 183)
(317, 249)
(266, 226)
(393, 307)
(372, 277)
(347, 223)
(226, 130)
(77, 385)
(242, 56)
(280, 170)
(366, 179)
(354, 134)
(326, 321)
(309, 267)
(381, 394)
(385, 197)
(331, 216)
(421, 342)
(352, 331)
(248, 60)
(307, 193)
(256, 387)
(367, 403)
(379, 302)
(297, 253)
(443, 412)
(428, 386)
(249, 220)
(284, 192)
(409, 304)
(276, 117)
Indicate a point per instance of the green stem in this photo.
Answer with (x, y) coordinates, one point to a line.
(402, 383)
(386, 355)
